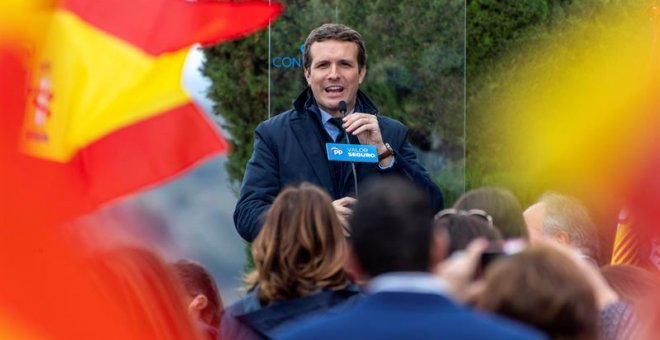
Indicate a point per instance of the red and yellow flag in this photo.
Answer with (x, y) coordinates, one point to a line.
(105, 112)
(91, 108)
(637, 240)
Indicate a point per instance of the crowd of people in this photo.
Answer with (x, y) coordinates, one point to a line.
(364, 250)
(401, 270)
(404, 271)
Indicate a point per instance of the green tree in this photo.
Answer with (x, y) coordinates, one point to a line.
(239, 75)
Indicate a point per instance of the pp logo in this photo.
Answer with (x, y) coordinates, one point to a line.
(336, 151)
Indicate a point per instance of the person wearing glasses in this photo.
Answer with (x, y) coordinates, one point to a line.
(464, 226)
(499, 203)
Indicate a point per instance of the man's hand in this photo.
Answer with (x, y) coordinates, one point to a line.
(344, 211)
(365, 127)
(457, 271)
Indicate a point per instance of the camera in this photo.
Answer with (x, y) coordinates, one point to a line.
(497, 250)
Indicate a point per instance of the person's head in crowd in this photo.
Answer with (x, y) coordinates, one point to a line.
(301, 248)
(464, 226)
(392, 229)
(543, 288)
(638, 290)
(649, 318)
(202, 296)
(633, 284)
(323, 44)
(565, 220)
(145, 291)
(499, 203)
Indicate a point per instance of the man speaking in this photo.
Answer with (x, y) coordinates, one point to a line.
(333, 136)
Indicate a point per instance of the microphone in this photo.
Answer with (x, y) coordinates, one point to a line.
(342, 110)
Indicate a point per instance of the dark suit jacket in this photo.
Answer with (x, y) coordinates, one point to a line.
(247, 319)
(401, 315)
(290, 148)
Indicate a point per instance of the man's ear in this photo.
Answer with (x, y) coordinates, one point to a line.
(439, 246)
(562, 237)
(198, 303)
(363, 73)
(308, 76)
(353, 268)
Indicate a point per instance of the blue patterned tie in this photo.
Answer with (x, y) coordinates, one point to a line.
(337, 121)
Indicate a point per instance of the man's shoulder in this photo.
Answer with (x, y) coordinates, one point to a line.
(435, 316)
(368, 316)
(324, 326)
(499, 327)
(249, 303)
(279, 119)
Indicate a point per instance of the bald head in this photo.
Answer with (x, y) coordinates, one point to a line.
(563, 219)
(534, 216)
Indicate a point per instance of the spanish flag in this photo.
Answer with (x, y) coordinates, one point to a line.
(91, 108)
(105, 113)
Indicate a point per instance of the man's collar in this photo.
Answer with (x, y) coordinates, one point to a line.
(415, 282)
(325, 116)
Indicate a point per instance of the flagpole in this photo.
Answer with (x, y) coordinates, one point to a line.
(269, 22)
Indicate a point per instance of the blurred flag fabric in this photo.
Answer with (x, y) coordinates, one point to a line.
(106, 113)
(637, 237)
(575, 110)
(626, 243)
(92, 109)
(637, 240)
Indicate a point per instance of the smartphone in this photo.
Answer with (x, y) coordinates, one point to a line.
(497, 250)
(493, 251)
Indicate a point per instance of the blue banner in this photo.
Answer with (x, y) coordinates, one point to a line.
(351, 152)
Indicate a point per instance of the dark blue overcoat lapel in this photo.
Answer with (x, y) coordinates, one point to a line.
(311, 142)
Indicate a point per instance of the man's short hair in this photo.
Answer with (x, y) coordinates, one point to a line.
(392, 227)
(196, 280)
(570, 215)
(334, 32)
(463, 229)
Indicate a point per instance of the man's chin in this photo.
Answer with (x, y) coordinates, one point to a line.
(331, 105)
